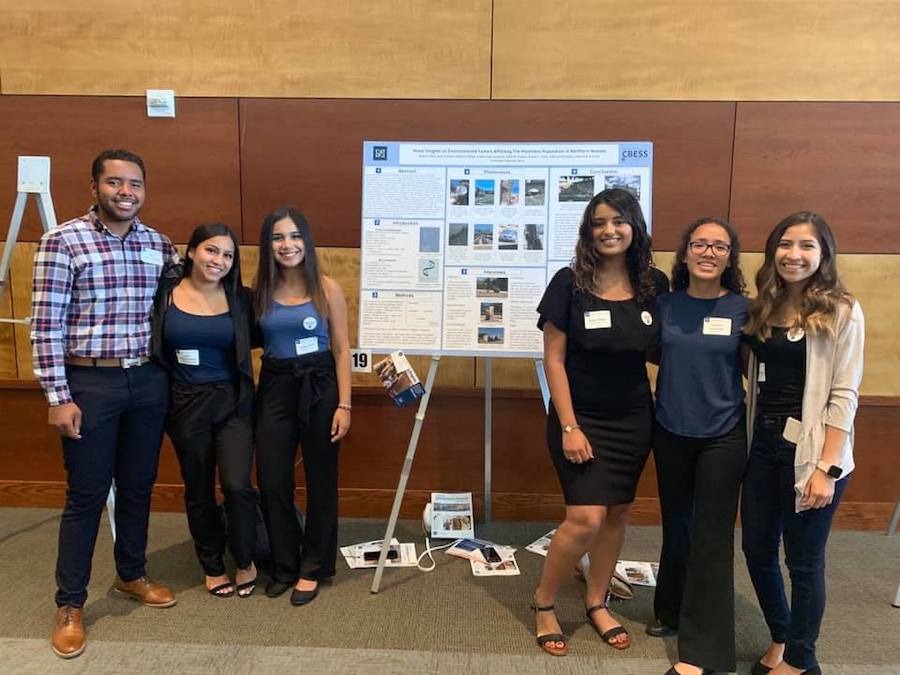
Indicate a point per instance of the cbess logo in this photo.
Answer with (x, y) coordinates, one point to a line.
(635, 154)
(379, 153)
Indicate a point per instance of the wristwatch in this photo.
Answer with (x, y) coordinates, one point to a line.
(569, 428)
(830, 470)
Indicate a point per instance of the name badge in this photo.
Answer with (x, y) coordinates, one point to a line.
(600, 318)
(151, 256)
(306, 345)
(713, 325)
(792, 429)
(761, 377)
(188, 357)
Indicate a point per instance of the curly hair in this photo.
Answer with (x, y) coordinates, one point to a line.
(822, 292)
(638, 257)
(732, 277)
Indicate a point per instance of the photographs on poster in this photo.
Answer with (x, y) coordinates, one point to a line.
(491, 312)
(484, 192)
(534, 237)
(535, 191)
(488, 335)
(509, 192)
(492, 287)
(576, 188)
(626, 182)
(429, 270)
(429, 239)
(508, 238)
(457, 234)
(459, 192)
(483, 236)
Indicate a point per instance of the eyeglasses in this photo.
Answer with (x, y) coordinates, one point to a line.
(719, 248)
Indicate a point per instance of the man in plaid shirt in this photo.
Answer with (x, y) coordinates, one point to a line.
(94, 282)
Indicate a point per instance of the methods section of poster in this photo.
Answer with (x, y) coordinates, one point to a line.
(459, 240)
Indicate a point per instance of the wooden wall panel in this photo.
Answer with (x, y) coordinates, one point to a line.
(8, 368)
(390, 48)
(309, 153)
(192, 160)
(696, 50)
(841, 160)
(20, 281)
(450, 457)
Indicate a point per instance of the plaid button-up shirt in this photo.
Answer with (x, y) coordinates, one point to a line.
(92, 296)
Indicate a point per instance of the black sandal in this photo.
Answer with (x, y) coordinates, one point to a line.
(220, 590)
(246, 589)
(544, 641)
(607, 636)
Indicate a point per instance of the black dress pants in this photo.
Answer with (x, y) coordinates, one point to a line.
(699, 483)
(123, 414)
(207, 432)
(296, 401)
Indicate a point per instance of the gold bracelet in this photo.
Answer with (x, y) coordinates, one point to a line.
(345, 406)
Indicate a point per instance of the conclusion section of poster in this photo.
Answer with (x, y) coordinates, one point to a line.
(459, 240)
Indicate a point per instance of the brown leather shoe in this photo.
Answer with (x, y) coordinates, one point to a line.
(68, 632)
(147, 591)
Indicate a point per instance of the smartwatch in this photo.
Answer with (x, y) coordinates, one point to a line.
(830, 470)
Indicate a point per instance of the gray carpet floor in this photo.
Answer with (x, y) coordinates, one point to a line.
(443, 621)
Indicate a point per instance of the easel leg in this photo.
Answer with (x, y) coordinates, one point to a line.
(488, 428)
(404, 473)
(542, 381)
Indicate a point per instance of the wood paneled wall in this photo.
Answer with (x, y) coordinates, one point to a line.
(509, 49)
(389, 48)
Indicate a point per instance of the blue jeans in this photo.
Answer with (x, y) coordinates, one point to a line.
(123, 412)
(768, 515)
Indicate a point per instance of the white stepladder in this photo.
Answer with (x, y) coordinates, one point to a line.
(34, 179)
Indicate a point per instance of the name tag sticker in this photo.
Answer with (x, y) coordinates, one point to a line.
(600, 318)
(188, 357)
(792, 429)
(151, 256)
(306, 345)
(762, 373)
(713, 325)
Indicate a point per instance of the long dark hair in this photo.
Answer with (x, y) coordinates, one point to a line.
(638, 257)
(822, 292)
(732, 277)
(231, 281)
(266, 273)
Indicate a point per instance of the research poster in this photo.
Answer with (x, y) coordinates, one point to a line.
(459, 240)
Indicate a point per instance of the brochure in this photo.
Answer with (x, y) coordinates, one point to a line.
(398, 377)
(507, 567)
(452, 516)
(356, 555)
(472, 549)
(541, 544)
(638, 573)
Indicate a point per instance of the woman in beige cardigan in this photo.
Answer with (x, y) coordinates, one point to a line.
(806, 334)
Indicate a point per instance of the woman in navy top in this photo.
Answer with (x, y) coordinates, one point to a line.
(303, 397)
(201, 333)
(700, 447)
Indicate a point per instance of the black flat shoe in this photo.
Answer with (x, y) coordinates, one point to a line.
(759, 668)
(299, 598)
(275, 588)
(658, 629)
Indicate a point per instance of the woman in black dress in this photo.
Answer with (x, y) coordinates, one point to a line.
(599, 318)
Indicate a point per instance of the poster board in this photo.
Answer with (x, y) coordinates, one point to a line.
(459, 240)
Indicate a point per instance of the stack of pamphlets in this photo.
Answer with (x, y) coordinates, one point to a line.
(485, 557)
(399, 378)
(364, 555)
(452, 516)
(635, 572)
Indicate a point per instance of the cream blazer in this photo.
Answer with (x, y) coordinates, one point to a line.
(834, 369)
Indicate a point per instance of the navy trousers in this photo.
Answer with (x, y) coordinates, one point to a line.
(768, 516)
(123, 414)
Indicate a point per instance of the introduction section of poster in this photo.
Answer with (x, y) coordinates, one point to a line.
(459, 240)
